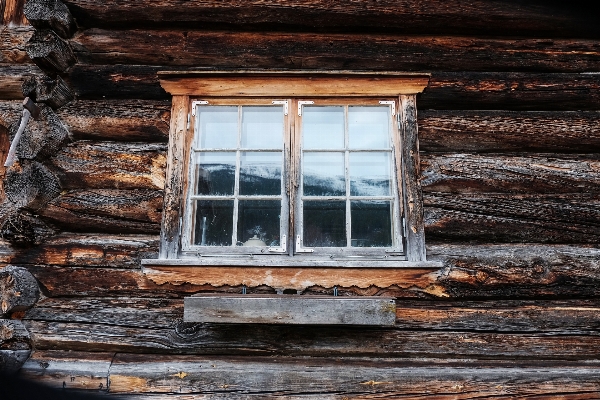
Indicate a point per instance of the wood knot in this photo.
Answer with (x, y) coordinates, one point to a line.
(481, 276)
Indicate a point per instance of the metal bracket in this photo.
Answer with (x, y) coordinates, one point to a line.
(285, 105)
(301, 103)
(390, 103)
(195, 103)
(282, 248)
(299, 248)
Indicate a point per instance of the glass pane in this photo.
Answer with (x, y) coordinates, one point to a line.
(368, 127)
(259, 223)
(323, 174)
(215, 173)
(324, 224)
(217, 127)
(370, 174)
(371, 223)
(260, 173)
(262, 127)
(323, 127)
(214, 223)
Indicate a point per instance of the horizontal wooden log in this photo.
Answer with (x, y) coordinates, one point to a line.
(506, 131)
(450, 17)
(13, 335)
(498, 271)
(500, 173)
(117, 165)
(106, 211)
(501, 316)
(50, 14)
(305, 341)
(333, 51)
(11, 362)
(19, 290)
(446, 90)
(43, 89)
(119, 120)
(512, 218)
(12, 78)
(22, 229)
(49, 52)
(13, 40)
(68, 249)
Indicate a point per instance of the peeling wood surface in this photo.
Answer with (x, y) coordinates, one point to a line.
(111, 165)
(13, 40)
(352, 51)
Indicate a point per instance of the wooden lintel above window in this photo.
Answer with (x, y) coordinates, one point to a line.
(292, 83)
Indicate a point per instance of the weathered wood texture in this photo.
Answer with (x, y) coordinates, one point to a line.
(511, 173)
(12, 78)
(475, 17)
(53, 92)
(104, 210)
(13, 41)
(352, 51)
(509, 131)
(111, 165)
(119, 120)
(49, 52)
(30, 185)
(19, 290)
(11, 13)
(508, 271)
(183, 377)
(512, 218)
(446, 90)
(15, 346)
(50, 14)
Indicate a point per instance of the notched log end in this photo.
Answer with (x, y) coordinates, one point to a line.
(50, 14)
(15, 345)
(51, 53)
(43, 89)
(19, 290)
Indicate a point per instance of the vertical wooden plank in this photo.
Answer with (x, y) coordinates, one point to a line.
(413, 196)
(173, 200)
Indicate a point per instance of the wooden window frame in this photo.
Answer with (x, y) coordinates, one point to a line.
(185, 86)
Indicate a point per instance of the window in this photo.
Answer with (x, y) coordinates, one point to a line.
(310, 165)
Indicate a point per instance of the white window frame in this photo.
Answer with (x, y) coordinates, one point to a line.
(293, 86)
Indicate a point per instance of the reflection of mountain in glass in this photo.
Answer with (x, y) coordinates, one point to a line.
(260, 180)
(216, 179)
(323, 185)
(374, 186)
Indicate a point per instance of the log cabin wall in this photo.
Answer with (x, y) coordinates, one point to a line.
(510, 170)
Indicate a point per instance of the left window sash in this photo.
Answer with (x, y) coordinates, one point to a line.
(236, 187)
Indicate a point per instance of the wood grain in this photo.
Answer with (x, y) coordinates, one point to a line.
(352, 51)
(13, 40)
(12, 77)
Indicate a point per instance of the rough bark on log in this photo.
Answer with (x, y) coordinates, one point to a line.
(12, 78)
(506, 131)
(19, 290)
(49, 52)
(15, 346)
(68, 249)
(13, 42)
(50, 14)
(43, 89)
(111, 165)
(30, 185)
(531, 316)
(439, 17)
(119, 120)
(106, 211)
(503, 218)
(502, 173)
(43, 137)
(333, 51)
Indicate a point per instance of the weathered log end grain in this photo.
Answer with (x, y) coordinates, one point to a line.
(50, 14)
(51, 53)
(31, 185)
(22, 229)
(19, 290)
(43, 89)
(15, 345)
(43, 137)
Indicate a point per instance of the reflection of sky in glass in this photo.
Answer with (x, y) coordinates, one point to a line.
(370, 174)
(260, 173)
(368, 127)
(215, 173)
(323, 127)
(323, 174)
(262, 127)
(217, 127)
